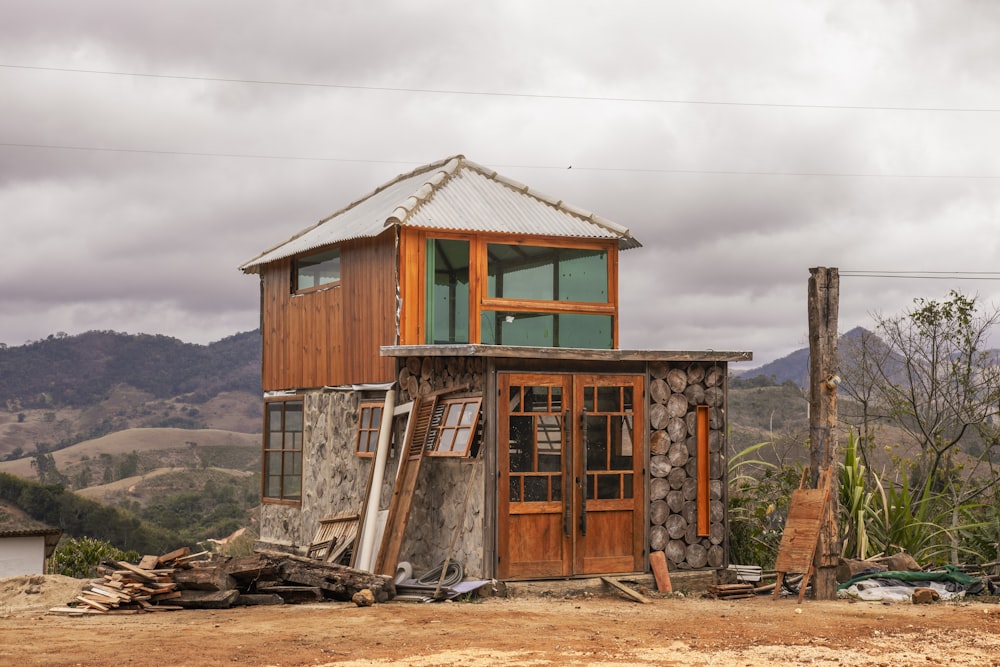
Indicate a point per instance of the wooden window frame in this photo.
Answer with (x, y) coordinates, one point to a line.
(445, 434)
(322, 286)
(413, 270)
(281, 499)
(372, 430)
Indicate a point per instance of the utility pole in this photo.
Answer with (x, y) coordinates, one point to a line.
(823, 304)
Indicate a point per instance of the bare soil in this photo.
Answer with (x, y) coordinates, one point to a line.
(581, 630)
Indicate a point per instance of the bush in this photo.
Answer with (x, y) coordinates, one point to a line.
(80, 557)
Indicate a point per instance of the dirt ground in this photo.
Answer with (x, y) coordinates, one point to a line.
(579, 630)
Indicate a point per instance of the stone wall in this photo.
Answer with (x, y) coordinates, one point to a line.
(675, 391)
(438, 508)
(333, 476)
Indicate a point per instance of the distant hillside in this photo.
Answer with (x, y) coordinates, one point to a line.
(74, 371)
(795, 366)
(63, 390)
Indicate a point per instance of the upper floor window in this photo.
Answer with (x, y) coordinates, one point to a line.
(547, 273)
(322, 268)
(283, 450)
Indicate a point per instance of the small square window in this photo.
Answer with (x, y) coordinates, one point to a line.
(369, 421)
(316, 270)
(456, 420)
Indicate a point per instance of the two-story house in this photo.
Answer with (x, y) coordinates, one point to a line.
(484, 316)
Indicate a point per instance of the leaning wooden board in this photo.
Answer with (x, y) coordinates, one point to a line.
(798, 542)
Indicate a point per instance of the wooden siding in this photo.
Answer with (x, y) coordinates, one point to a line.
(331, 336)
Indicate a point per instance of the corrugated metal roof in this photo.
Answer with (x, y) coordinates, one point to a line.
(453, 194)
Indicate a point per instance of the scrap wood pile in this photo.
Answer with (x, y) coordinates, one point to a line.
(181, 580)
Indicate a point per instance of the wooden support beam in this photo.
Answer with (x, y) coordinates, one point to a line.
(823, 305)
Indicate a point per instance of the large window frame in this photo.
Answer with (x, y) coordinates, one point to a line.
(418, 329)
(283, 448)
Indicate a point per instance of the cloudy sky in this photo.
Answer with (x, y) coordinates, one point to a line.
(148, 149)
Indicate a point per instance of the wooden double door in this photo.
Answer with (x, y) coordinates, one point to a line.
(570, 461)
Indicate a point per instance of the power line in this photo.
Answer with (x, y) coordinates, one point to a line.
(923, 275)
(487, 93)
(692, 172)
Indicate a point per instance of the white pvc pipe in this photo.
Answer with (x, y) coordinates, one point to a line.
(366, 554)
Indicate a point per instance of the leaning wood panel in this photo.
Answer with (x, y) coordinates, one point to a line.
(406, 484)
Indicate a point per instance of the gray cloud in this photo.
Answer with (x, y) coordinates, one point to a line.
(149, 241)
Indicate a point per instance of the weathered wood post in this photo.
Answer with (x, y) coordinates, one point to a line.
(823, 305)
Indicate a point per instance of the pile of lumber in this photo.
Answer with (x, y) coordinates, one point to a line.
(731, 591)
(181, 580)
(125, 588)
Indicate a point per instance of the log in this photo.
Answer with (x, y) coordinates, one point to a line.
(696, 555)
(695, 394)
(658, 538)
(676, 526)
(339, 581)
(716, 511)
(677, 406)
(690, 488)
(677, 379)
(676, 478)
(714, 397)
(675, 501)
(715, 489)
(658, 512)
(659, 466)
(717, 533)
(677, 430)
(715, 441)
(658, 369)
(659, 417)
(659, 391)
(716, 555)
(658, 488)
(695, 372)
(675, 550)
(659, 442)
(714, 376)
(678, 454)
(414, 365)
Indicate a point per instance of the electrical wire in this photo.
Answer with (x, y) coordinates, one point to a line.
(488, 93)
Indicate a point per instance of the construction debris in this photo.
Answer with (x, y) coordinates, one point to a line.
(731, 591)
(181, 580)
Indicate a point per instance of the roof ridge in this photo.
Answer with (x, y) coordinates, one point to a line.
(442, 172)
(559, 204)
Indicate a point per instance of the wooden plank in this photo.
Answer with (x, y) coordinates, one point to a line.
(171, 556)
(630, 592)
(658, 562)
(567, 354)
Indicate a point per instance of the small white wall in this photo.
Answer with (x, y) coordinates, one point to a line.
(22, 555)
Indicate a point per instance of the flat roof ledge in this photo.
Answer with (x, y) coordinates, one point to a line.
(567, 353)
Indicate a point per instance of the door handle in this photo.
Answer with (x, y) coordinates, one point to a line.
(567, 478)
(583, 501)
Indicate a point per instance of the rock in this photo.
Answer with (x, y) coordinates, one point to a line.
(363, 598)
(925, 596)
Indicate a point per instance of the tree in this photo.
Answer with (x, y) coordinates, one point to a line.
(929, 372)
